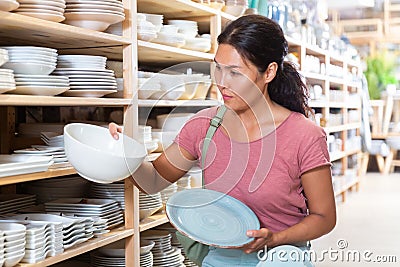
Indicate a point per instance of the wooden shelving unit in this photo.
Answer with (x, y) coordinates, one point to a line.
(17, 29)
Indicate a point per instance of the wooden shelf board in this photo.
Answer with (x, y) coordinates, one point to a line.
(175, 8)
(114, 235)
(336, 80)
(341, 154)
(31, 100)
(227, 16)
(346, 187)
(180, 103)
(292, 41)
(337, 104)
(153, 221)
(17, 29)
(318, 103)
(344, 127)
(164, 54)
(313, 76)
(36, 176)
(315, 51)
(394, 7)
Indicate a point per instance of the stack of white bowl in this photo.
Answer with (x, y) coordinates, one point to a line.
(146, 138)
(12, 243)
(170, 36)
(189, 29)
(42, 239)
(155, 19)
(46, 85)
(31, 60)
(172, 87)
(149, 204)
(88, 76)
(235, 7)
(146, 30)
(7, 81)
(94, 14)
(52, 10)
(8, 5)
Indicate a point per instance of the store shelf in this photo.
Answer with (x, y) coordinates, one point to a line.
(344, 127)
(346, 187)
(36, 176)
(313, 76)
(318, 104)
(179, 103)
(315, 51)
(175, 8)
(164, 54)
(33, 100)
(337, 81)
(342, 154)
(114, 235)
(153, 221)
(18, 29)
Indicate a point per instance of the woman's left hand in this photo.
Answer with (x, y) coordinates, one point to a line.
(262, 237)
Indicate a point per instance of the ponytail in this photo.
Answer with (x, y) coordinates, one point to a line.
(289, 90)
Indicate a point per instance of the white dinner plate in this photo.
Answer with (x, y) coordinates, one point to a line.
(39, 90)
(25, 169)
(88, 93)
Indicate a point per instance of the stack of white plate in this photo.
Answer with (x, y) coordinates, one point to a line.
(94, 14)
(43, 239)
(53, 139)
(52, 10)
(114, 191)
(88, 82)
(12, 243)
(57, 153)
(149, 204)
(74, 230)
(31, 60)
(63, 187)
(3, 56)
(11, 203)
(169, 191)
(21, 164)
(98, 259)
(47, 85)
(7, 81)
(81, 61)
(8, 5)
(175, 242)
(164, 254)
(83, 207)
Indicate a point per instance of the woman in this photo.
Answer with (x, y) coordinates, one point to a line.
(266, 152)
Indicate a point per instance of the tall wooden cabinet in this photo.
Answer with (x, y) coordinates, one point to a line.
(17, 29)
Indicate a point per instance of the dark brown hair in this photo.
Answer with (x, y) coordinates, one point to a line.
(261, 41)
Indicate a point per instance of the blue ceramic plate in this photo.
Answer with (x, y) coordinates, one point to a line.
(211, 217)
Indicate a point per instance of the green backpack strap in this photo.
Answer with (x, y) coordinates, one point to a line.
(214, 124)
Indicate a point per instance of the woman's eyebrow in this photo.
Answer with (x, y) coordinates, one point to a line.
(228, 66)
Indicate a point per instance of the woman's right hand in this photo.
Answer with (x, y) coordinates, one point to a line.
(114, 130)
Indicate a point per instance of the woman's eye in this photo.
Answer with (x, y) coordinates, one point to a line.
(235, 73)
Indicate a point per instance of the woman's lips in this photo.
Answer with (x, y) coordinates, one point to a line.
(226, 97)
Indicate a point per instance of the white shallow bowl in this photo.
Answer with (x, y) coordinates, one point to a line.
(146, 246)
(30, 68)
(91, 20)
(97, 156)
(114, 250)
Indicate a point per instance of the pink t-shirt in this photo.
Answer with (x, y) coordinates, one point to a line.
(265, 173)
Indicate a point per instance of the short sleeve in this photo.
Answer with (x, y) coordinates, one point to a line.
(314, 155)
(194, 131)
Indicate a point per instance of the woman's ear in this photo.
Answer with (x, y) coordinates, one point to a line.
(270, 72)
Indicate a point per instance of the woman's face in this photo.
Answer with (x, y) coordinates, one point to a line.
(239, 81)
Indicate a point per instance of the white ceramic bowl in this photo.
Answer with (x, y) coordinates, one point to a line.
(91, 20)
(145, 213)
(236, 11)
(10, 229)
(30, 68)
(97, 156)
(12, 261)
(172, 122)
(146, 246)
